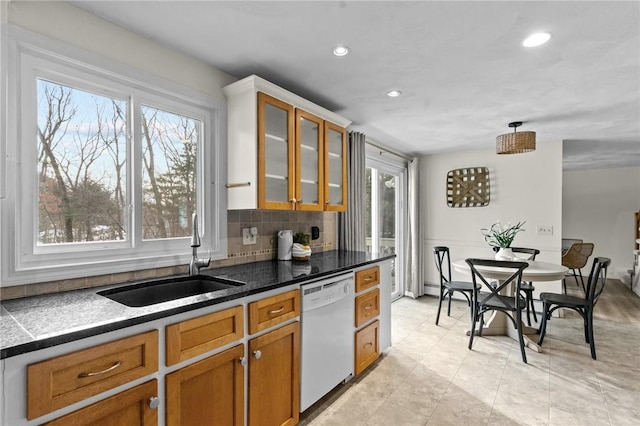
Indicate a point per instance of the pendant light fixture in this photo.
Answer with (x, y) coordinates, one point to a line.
(516, 143)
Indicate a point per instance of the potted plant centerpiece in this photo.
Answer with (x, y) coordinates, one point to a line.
(502, 236)
(301, 249)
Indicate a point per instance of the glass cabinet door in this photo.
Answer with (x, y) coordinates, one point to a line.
(309, 171)
(335, 167)
(275, 153)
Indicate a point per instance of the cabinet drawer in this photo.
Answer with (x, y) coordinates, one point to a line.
(193, 337)
(131, 407)
(367, 278)
(273, 310)
(367, 347)
(60, 381)
(367, 306)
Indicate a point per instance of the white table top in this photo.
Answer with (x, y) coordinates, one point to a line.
(536, 271)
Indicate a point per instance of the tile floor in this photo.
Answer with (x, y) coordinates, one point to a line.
(429, 377)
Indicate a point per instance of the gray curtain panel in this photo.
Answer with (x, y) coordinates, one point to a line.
(351, 224)
(413, 241)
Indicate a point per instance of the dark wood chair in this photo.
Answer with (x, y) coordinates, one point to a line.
(575, 259)
(447, 285)
(527, 288)
(493, 300)
(582, 305)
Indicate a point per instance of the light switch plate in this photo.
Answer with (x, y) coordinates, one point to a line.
(544, 230)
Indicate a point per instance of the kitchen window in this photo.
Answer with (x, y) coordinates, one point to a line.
(109, 169)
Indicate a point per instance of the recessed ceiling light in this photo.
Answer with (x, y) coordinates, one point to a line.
(341, 51)
(536, 39)
(394, 93)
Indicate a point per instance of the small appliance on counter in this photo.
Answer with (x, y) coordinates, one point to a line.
(285, 242)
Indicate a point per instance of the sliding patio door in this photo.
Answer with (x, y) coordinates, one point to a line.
(386, 207)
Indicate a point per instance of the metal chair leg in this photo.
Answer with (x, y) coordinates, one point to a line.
(520, 336)
(439, 306)
(543, 325)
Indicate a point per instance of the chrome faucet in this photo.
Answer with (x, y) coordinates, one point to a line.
(195, 264)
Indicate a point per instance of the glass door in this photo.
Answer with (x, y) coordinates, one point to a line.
(309, 155)
(335, 168)
(275, 153)
(386, 189)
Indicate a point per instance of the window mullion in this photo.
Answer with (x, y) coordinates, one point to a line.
(135, 171)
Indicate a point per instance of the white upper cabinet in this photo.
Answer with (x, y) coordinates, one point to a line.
(284, 152)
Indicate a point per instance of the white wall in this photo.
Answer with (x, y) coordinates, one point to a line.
(598, 206)
(68, 24)
(523, 187)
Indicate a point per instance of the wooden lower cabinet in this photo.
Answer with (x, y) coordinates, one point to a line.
(367, 347)
(208, 392)
(274, 377)
(133, 407)
(66, 379)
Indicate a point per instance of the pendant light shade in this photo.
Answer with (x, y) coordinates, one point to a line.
(516, 143)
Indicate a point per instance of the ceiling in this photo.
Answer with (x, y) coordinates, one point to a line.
(460, 65)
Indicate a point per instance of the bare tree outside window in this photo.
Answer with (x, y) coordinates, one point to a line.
(81, 153)
(82, 168)
(169, 149)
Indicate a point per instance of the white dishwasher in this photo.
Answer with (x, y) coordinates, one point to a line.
(327, 337)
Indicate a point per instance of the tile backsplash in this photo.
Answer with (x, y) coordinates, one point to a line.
(267, 222)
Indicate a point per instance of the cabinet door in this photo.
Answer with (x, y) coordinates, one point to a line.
(132, 407)
(208, 392)
(276, 153)
(309, 161)
(274, 377)
(335, 167)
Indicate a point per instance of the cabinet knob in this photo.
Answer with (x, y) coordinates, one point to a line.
(243, 361)
(154, 402)
(257, 354)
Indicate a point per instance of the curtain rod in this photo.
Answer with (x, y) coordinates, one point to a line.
(387, 150)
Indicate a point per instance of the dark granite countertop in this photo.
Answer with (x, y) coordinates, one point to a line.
(38, 322)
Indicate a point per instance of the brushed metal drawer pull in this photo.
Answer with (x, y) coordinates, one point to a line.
(276, 311)
(367, 345)
(97, 373)
(368, 307)
(367, 279)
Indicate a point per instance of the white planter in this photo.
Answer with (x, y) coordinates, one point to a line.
(505, 253)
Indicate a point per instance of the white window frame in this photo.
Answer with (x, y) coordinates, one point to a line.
(23, 260)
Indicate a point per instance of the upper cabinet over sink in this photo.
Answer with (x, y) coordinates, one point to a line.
(284, 152)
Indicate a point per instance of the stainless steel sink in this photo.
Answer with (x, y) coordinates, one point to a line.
(163, 290)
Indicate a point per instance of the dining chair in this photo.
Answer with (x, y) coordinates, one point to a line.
(575, 259)
(582, 305)
(527, 288)
(568, 242)
(447, 285)
(497, 298)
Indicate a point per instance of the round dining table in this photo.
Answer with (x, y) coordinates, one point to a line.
(498, 323)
